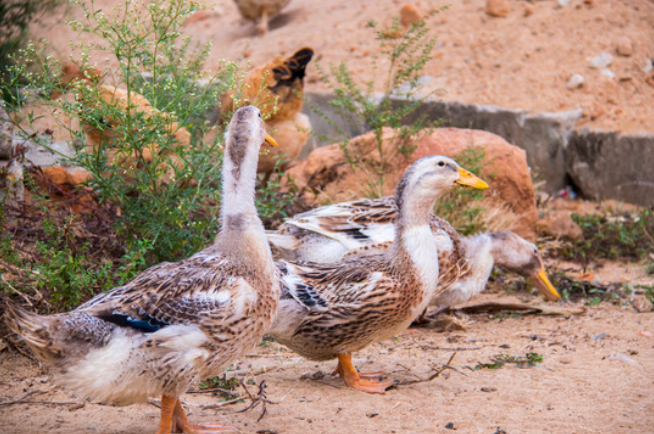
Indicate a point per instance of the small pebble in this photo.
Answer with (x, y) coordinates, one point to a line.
(624, 46)
(576, 81)
(607, 72)
(599, 336)
(450, 425)
(497, 8)
(602, 60)
(489, 389)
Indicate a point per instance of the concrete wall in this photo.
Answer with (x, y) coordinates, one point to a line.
(601, 165)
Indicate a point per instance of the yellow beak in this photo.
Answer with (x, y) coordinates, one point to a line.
(270, 140)
(470, 180)
(544, 285)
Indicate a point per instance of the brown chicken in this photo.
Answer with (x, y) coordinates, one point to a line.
(279, 83)
(117, 99)
(260, 10)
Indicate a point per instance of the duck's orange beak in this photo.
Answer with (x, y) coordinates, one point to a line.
(270, 140)
(542, 282)
(470, 180)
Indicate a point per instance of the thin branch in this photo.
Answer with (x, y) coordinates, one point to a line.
(431, 377)
(20, 400)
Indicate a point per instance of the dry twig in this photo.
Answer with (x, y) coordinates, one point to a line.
(431, 377)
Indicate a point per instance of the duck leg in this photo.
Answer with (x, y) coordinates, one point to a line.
(353, 379)
(180, 423)
(167, 409)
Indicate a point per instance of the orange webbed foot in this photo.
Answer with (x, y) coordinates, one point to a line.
(364, 381)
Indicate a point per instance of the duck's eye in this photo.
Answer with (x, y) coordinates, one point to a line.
(259, 114)
(441, 163)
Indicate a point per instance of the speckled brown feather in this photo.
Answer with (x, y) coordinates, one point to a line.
(348, 316)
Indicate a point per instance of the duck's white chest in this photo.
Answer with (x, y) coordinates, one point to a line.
(420, 245)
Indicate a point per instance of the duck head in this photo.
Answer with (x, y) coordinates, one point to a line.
(431, 176)
(518, 255)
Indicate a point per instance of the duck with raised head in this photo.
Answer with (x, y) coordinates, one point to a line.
(175, 323)
(329, 311)
(365, 226)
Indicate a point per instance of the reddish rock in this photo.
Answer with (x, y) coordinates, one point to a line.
(497, 8)
(409, 15)
(326, 177)
(65, 178)
(559, 224)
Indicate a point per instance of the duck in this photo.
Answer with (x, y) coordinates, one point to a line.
(278, 88)
(260, 11)
(366, 226)
(175, 323)
(329, 311)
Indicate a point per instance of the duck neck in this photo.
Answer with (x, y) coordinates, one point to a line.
(241, 230)
(414, 239)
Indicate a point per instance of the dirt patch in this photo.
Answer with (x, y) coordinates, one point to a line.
(595, 377)
(523, 61)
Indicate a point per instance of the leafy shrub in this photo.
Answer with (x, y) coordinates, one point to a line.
(154, 166)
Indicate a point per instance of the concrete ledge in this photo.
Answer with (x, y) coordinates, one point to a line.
(600, 165)
(609, 165)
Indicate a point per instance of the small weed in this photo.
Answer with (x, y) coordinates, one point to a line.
(405, 53)
(499, 360)
(622, 236)
(221, 382)
(649, 293)
(461, 206)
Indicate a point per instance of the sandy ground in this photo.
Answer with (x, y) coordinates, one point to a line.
(519, 61)
(596, 377)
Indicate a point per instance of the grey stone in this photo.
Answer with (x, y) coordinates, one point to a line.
(327, 124)
(6, 132)
(609, 165)
(41, 152)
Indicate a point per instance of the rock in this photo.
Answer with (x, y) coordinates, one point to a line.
(559, 224)
(624, 47)
(327, 177)
(601, 61)
(409, 15)
(66, 178)
(529, 10)
(6, 133)
(497, 8)
(576, 80)
(13, 190)
(607, 72)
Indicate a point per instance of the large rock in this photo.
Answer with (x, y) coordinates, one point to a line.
(326, 176)
(609, 165)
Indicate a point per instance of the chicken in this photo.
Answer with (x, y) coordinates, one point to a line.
(260, 10)
(279, 83)
(100, 131)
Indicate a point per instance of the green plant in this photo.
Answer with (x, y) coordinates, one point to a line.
(154, 165)
(404, 53)
(15, 18)
(619, 236)
(499, 360)
(462, 206)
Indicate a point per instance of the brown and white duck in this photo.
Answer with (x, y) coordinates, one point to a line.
(329, 311)
(364, 227)
(175, 323)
